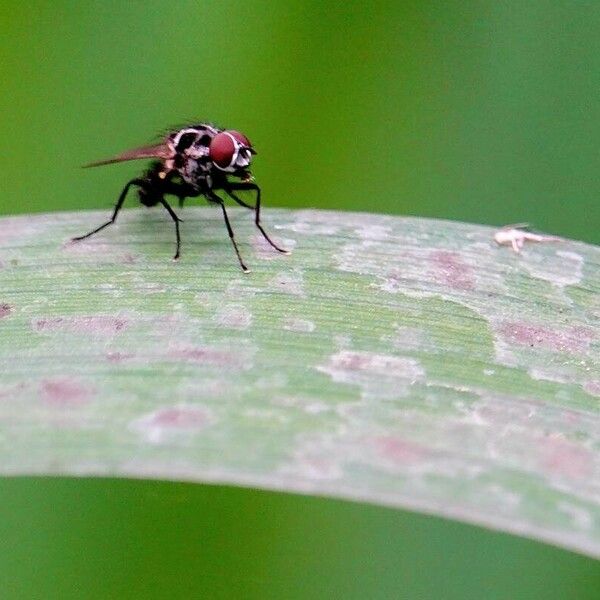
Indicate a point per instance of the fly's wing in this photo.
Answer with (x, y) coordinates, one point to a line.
(161, 151)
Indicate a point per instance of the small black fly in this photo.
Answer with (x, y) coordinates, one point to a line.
(194, 161)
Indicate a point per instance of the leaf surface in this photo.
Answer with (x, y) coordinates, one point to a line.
(398, 361)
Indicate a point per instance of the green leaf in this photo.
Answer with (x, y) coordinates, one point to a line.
(404, 362)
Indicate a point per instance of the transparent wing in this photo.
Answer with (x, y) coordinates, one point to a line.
(161, 151)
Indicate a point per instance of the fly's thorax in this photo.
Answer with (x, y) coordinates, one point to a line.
(193, 170)
(202, 155)
(190, 152)
(192, 139)
(192, 142)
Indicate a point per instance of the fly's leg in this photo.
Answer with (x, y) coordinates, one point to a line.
(116, 210)
(233, 186)
(212, 196)
(176, 220)
(235, 197)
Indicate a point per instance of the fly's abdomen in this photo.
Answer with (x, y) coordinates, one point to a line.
(149, 196)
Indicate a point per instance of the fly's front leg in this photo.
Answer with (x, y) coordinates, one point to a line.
(234, 186)
(118, 206)
(235, 197)
(212, 196)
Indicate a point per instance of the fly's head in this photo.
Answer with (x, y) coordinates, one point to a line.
(231, 152)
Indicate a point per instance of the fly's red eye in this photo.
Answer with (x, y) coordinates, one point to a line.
(240, 137)
(222, 149)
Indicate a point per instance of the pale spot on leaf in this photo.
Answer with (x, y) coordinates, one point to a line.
(172, 422)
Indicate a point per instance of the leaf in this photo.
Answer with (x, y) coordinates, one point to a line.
(398, 361)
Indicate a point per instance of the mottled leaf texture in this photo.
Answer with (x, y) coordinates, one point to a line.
(398, 361)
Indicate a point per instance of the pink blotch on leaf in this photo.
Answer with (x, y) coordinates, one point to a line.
(5, 310)
(574, 339)
(64, 392)
(100, 324)
(180, 417)
(565, 458)
(117, 357)
(399, 450)
(206, 355)
(394, 366)
(593, 387)
(165, 423)
(452, 270)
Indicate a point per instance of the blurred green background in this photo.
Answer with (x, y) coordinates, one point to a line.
(485, 111)
(138, 540)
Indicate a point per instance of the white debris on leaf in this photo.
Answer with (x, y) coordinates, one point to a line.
(517, 235)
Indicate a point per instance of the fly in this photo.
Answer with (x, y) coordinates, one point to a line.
(197, 160)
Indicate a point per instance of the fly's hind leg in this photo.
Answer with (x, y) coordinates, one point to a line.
(181, 191)
(176, 219)
(118, 206)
